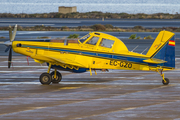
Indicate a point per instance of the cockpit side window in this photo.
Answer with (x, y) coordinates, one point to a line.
(93, 41)
(84, 38)
(106, 43)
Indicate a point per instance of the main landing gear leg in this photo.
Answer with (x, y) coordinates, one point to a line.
(56, 76)
(165, 81)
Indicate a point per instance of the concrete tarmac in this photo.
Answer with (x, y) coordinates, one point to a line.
(113, 95)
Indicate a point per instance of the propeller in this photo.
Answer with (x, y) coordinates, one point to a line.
(9, 43)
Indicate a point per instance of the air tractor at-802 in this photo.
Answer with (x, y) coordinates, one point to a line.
(94, 51)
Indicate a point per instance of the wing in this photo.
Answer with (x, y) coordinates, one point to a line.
(62, 60)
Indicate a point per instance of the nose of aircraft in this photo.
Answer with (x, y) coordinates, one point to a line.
(8, 44)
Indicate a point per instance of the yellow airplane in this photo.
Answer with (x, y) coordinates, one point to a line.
(94, 51)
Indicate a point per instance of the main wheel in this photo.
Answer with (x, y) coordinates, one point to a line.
(58, 77)
(45, 78)
(167, 81)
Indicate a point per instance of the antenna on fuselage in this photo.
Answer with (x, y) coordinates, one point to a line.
(135, 48)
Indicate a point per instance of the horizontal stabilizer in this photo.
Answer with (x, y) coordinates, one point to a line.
(154, 61)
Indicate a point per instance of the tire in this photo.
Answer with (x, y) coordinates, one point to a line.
(167, 81)
(45, 78)
(58, 77)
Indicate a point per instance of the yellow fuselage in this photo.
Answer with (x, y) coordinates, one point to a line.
(77, 54)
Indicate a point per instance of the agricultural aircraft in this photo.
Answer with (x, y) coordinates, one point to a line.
(94, 51)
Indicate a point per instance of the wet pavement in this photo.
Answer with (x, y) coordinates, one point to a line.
(117, 94)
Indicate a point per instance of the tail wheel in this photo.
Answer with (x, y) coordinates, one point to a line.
(165, 81)
(58, 77)
(45, 78)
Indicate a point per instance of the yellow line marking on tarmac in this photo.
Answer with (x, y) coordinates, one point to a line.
(69, 87)
(131, 108)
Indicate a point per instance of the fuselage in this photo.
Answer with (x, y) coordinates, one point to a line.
(94, 51)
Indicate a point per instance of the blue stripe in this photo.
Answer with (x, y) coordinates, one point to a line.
(93, 54)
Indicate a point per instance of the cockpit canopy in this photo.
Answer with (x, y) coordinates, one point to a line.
(102, 41)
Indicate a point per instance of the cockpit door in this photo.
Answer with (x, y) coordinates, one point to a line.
(105, 45)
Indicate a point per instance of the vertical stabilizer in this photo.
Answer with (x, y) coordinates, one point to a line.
(164, 48)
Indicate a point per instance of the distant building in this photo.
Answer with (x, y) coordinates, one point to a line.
(65, 10)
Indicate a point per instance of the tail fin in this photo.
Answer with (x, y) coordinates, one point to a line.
(164, 48)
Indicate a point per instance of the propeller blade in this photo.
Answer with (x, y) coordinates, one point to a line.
(14, 33)
(10, 33)
(10, 57)
(8, 48)
(9, 43)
